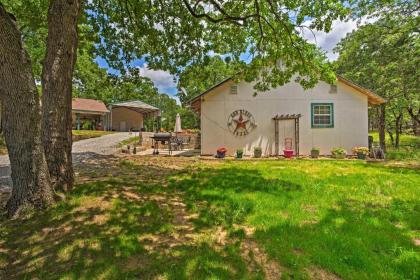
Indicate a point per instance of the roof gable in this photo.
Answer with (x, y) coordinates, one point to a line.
(373, 98)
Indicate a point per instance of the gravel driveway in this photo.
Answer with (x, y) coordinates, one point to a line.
(84, 149)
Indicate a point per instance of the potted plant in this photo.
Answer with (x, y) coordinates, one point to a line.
(288, 153)
(361, 152)
(315, 152)
(257, 152)
(221, 152)
(239, 153)
(338, 153)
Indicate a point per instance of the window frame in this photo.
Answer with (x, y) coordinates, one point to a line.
(331, 124)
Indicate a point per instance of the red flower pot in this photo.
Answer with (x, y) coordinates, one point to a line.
(288, 153)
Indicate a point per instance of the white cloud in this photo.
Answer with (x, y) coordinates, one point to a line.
(163, 80)
(339, 29)
(327, 41)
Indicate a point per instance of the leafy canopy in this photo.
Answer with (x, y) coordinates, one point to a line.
(197, 77)
(385, 57)
(171, 34)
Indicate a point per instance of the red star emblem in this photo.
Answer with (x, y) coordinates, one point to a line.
(240, 123)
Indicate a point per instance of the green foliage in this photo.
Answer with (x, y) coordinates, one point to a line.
(383, 56)
(338, 151)
(198, 77)
(171, 35)
(409, 149)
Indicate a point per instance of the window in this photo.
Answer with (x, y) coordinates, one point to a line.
(322, 115)
(234, 89)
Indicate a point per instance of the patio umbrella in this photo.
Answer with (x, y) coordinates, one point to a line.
(178, 123)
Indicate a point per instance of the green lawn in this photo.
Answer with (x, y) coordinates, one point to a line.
(86, 134)
(409, 147)
(179, 218)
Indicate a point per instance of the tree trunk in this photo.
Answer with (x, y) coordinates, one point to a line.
(398, 122)
(415, 120)
(22, 122)
(414, 127)
(391, 136)
(381, 127)
(57, 76)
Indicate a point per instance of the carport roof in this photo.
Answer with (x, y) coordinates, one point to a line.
(136, 105)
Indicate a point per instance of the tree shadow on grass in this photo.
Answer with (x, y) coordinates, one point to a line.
(215, 187)
(114, 229)
(352, 241)
(354, 238)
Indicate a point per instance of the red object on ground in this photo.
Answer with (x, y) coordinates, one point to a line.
(288, 153)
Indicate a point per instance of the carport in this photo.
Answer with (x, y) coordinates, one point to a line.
(130, 115)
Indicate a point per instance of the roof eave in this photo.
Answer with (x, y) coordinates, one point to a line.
(373, 98)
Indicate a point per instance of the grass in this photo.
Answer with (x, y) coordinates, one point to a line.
(409, 147)
(129, 141)
(86, 134)
(179, 218)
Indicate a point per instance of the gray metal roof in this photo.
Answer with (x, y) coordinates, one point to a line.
(136, 105)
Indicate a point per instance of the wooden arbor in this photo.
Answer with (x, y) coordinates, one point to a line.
(278, 118)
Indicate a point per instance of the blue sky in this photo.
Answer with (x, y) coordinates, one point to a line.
(326, 41)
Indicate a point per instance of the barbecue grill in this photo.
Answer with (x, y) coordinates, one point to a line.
(164, 138)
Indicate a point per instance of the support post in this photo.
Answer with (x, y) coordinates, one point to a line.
(78, 121)
(297, 136)
(276, 136)
(110, 117)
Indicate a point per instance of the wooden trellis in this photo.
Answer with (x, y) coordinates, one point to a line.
(278, 118)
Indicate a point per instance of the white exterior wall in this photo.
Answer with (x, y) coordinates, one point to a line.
(350, 118)
(132, 119)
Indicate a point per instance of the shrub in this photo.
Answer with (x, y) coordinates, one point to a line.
(315, 149)
(361, 150)
(338, 151)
